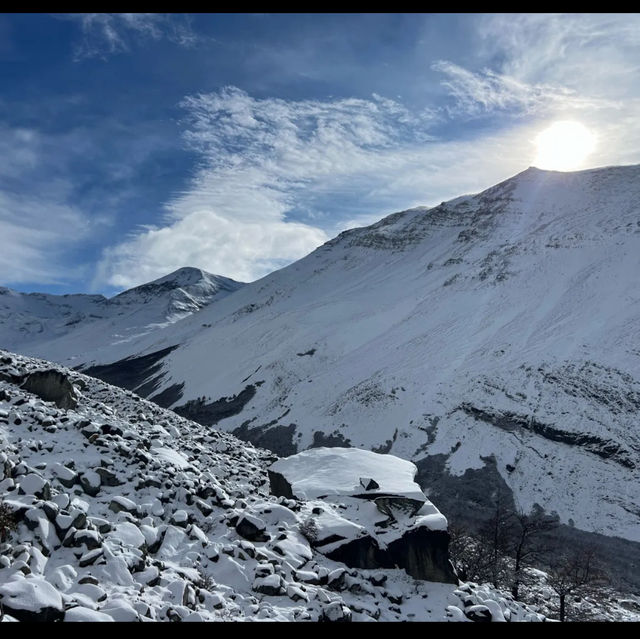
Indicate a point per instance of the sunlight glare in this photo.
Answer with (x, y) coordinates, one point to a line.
(564, 146)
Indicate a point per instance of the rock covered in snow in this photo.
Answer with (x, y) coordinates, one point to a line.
(320, 472)
(375, 515)
(31, 599)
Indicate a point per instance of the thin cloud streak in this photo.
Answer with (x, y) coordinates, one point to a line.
(489, 91)
(107, 34)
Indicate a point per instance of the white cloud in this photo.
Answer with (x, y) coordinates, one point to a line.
(327, 164)
(263, 161)
(594, 53)
(542, 63)
(488, 91)
(243, 250)
(105, 34)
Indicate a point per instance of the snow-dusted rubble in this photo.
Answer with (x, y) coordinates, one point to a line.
(128, 512)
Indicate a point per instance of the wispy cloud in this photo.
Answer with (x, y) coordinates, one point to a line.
(105, 34)
(540, 64)
(53, 211)
(36, 224)
(539, 68)
(276, 178)
(488, 91)
(36, 233)
(596, 54)
(266, 165)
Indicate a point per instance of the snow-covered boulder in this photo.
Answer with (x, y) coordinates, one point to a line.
(320, 472)
(31, 599)
(373, 514)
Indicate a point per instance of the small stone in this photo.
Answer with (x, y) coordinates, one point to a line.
(269, 585)
(108, 477)
(119, 504)
(252, 528)
(336, 612)
(89, 558)
(478, 613)
(90, 482)
(33, 484)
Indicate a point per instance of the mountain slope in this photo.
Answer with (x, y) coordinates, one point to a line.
(494, 336)
(79, 324)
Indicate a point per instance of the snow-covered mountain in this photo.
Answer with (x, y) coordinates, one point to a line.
(84, 324)
(113, 509)
(492, 339)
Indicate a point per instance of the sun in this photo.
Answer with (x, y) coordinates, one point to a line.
(564, 146)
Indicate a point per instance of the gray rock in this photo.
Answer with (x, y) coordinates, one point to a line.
(369, 484)
(52, 386)
(252, 528)
(119, 504)
(336, 612)
(478, 613)
(108, 477)
(89, 558)
(90, 538)
(422, 553)
(90, 482)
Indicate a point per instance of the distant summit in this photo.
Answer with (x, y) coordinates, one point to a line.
(66, 322)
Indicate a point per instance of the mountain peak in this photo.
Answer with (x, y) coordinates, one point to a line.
(186, 278)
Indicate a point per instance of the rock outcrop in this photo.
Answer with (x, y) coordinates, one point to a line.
(52, 386)
(371, 513)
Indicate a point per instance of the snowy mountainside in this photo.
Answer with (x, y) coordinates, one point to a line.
(62, 324)
(128, 512)
(499, 328)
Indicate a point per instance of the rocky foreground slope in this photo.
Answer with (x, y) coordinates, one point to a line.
(124, 511)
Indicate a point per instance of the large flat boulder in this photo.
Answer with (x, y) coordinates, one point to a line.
(321, 472)
(369, 511)
(31, 599)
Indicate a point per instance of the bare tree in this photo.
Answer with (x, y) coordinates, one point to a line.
(577, 573)
(525, 545)
(8, 523)
(496, 535)
(469, 557)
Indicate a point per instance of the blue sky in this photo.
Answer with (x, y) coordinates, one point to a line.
(134, 144)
